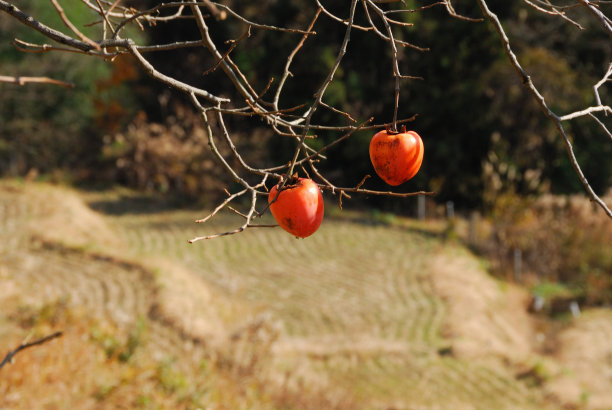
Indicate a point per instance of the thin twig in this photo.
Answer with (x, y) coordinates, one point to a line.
(602, 125)
(286, 72)
(247, 223)
(337, 111)
(43, 29)
(10, 355)
(604, 21)
(233, 44)
(452, 12)
(396, 72)
(22, 80)
(586, 111)
(72, 27)
(381, 34)
(559, 11)
(428, 6)
(221, 206)
(601, 82)
(26, 47)
(319, 94)
(340, 20)
(231, 70)
(179, 85)
(378, 193)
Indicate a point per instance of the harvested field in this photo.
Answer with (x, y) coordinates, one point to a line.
(357, 316)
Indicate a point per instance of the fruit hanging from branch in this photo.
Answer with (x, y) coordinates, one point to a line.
(298, 207)
(396, 156)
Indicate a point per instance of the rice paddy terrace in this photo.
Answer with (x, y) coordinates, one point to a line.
(358, 315)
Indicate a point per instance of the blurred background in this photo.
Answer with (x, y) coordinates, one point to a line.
(495, 293)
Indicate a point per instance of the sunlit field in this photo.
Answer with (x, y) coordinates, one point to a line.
(362, 314)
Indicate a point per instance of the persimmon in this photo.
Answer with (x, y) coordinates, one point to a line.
(396, 156)
(298, 209)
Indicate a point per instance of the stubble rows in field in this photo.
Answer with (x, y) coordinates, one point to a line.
(355, 303)
(358, 315)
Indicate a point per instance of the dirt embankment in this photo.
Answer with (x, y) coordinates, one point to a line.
(488, 319)
(485, 317)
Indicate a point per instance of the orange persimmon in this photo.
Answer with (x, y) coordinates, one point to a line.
(298, 209)
(396, 157)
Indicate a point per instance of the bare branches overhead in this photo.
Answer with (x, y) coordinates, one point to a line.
(242, 98)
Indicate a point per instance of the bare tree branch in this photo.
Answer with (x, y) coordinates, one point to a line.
(186, 88)
(242, 97)
(286, 72)
(43, 29)
(452, 12)
(602, 125)
(601, 82)
(526, 80)
(602, 18)
(21, 80)
(319, 94)
(25, 345)
(586, 111)
(72, 27)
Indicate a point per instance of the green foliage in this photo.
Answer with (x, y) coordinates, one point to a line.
(537, 375)
(107, 341)
(135, 339)
(383, 218)
(549, 290)
(50, 313)
(170, 379)
(46, 127)
(115, 348)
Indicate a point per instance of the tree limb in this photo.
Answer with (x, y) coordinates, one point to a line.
(10, 355)
(22, 80)
(526, 80)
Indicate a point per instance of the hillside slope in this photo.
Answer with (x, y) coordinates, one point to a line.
(357, 316)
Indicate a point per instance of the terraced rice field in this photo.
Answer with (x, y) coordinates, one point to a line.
(355, 297)
(341, 282)
(351, 313)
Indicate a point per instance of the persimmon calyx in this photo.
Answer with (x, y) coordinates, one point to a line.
(392, 130)
(290, 182)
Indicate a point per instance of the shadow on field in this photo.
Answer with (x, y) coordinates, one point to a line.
(135, 204)
(431, 229)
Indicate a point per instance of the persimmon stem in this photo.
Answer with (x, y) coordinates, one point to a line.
(396, 106)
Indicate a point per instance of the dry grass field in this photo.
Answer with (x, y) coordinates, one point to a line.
(358, 316)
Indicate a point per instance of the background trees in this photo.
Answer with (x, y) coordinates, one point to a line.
(190, 98)
(483, 131)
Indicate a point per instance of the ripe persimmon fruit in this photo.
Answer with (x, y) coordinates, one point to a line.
(298, 208)
(396, 156)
